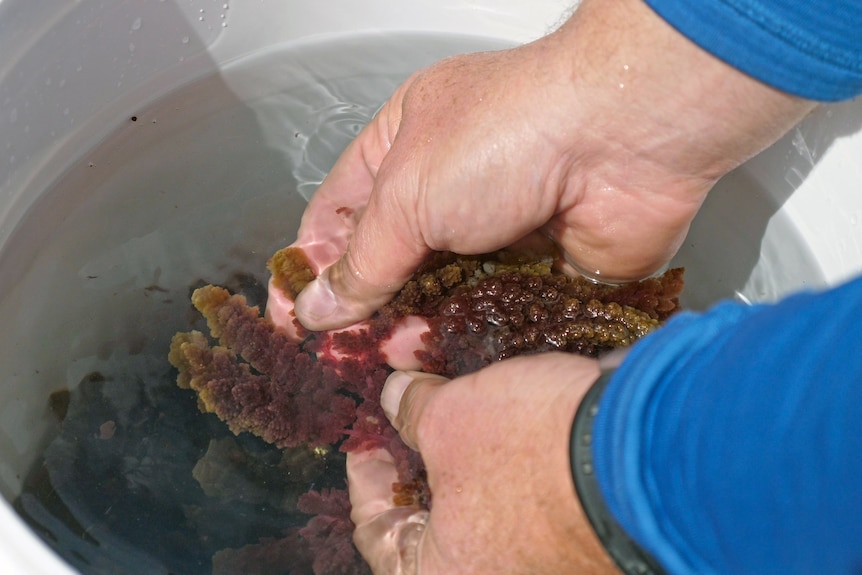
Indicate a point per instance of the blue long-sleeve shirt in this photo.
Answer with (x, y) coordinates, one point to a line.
(731, 441)
(810, 48)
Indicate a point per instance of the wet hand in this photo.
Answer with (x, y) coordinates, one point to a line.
(496, 447)
(605, 135)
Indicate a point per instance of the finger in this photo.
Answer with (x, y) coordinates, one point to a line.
(330, 218)
(404, 343)
(328, 221)
(387, 536)
(279, 310)
(405, 396)
(382, 254)
(360, 244)
(370, 475)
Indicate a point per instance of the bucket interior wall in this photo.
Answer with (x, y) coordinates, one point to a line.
(135, 178)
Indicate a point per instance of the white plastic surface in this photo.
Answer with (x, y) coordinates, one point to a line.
(71, 70)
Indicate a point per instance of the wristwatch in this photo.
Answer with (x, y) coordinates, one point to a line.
(626, 553)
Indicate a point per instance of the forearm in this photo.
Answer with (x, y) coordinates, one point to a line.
(732, 442)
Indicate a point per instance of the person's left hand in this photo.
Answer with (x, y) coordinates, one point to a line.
(496, 447)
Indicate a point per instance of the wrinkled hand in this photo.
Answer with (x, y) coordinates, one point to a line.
(605, 135)
(496, 447)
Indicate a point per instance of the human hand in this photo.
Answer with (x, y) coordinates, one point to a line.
(605, 135)
(496, 447)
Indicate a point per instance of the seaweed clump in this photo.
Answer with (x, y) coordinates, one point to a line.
(279, 393)
(482, 310)
(324, 391)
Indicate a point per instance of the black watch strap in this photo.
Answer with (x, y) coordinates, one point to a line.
(628, 555)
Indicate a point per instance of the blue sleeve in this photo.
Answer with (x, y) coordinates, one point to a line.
(731, 441)
(810, 48)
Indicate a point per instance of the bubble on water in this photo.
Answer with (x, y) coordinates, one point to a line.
(184, 40)
(65, 111)
(62, 83)
(136, 24)
(131, 46)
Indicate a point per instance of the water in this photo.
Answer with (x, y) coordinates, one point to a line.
(198, 187)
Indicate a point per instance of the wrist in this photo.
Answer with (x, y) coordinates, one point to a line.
(667, 99)
(629, 557)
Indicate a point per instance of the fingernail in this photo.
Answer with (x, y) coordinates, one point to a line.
(393, 389)
(316, 302)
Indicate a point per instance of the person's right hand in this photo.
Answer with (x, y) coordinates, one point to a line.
(605, 135)
(496, 447)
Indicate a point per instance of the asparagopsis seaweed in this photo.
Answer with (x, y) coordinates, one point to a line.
(488, 308)
(323, 392)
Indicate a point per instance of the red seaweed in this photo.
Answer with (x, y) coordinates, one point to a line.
(325, 391)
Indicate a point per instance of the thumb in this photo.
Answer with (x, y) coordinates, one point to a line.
(390, 537)
(387, 536)
(381, 255)
(404, 399)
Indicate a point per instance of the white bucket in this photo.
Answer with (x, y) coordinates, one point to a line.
(144, 145)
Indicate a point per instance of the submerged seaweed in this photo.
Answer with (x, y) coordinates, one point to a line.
(324, 392)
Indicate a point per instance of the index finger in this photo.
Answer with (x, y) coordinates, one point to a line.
(404, 399)
(330, 218)
(359, 240)
(387, 536)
